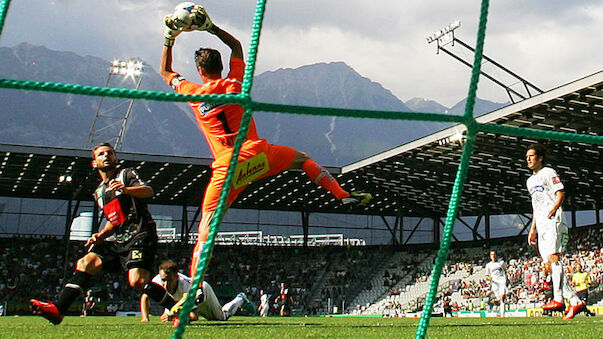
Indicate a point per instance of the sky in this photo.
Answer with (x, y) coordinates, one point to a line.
(548, 42)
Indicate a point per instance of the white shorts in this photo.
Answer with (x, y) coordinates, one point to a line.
(264, 310)
(552, 237)
(499, 288)
(210, 308)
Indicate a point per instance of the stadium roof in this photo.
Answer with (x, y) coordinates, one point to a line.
(414, 179)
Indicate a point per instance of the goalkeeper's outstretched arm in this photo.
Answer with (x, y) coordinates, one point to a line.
(230, 41)
(165, 66)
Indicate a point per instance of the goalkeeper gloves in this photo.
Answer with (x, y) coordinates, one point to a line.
(201, 21)
(191, 18)
(170, 31)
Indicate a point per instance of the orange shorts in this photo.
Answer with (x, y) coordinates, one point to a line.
(279, 159)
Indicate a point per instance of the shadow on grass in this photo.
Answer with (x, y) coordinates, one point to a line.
(243, 324)
(276, 324)
(531, 325)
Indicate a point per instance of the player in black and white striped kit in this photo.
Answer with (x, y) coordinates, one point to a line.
(120, 194)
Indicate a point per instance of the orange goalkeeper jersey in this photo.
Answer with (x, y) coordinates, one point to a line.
(219, 122)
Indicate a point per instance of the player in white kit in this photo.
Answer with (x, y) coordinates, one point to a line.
(177, 284)
(263, 308)
(206, 302)
(549, 228)
(496, 274)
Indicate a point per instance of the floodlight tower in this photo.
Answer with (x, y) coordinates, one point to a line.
(446, 36)
(108, 125)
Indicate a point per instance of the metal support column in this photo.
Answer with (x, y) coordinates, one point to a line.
(436, 229)
(413, 231)
(401, 222)
(68, 220)
(95, 218)
(66, 237)
(306, 225)
(573, 218)
(487, 226)
(184, 225)
(192, 223)
(392, 232)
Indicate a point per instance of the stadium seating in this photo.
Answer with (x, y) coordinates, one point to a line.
(363, 279)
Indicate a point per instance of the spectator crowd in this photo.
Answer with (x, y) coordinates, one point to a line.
(33, 267)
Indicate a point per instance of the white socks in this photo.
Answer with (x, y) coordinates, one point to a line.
(231, 307)
(561, 288)
(556, 275)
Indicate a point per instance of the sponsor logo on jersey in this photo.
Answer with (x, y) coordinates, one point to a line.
(556, 180)
(250, 169)
(114, 212)
(536, 189)
(205, 108)
(136, 255)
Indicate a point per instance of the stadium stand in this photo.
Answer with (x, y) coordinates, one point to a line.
(463, 277)
(359, 280)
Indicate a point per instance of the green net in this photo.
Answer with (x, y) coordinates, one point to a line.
(245, 100)
(461, 175)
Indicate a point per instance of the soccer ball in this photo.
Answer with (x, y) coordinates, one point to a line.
(183, 16)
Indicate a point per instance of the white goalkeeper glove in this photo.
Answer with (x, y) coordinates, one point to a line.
(187, 17)
(201, 21)
(170, 30)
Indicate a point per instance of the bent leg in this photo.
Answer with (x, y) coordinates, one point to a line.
(318, 174)
(80, 281)
(139, 278)
(210, 308)
(90, 263)
(230, 308)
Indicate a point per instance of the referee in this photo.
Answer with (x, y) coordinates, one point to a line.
(581, 281)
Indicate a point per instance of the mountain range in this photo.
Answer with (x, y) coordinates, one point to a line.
(155, 127)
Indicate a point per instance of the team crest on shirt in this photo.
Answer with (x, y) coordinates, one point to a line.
(177, 80)
(136, 255)
(556, 180)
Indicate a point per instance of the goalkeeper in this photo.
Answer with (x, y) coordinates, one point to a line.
(220, 123)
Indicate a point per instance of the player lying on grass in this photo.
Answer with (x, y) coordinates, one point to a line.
(220, 123)
(178, 285)
(121, 195)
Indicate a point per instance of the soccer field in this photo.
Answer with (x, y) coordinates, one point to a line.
(300, 327)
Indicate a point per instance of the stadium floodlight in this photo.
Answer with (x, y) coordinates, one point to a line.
(127, 68)
(445, 35)
(105, 126)
(65, 178)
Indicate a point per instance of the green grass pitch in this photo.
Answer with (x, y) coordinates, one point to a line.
(31, 327)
